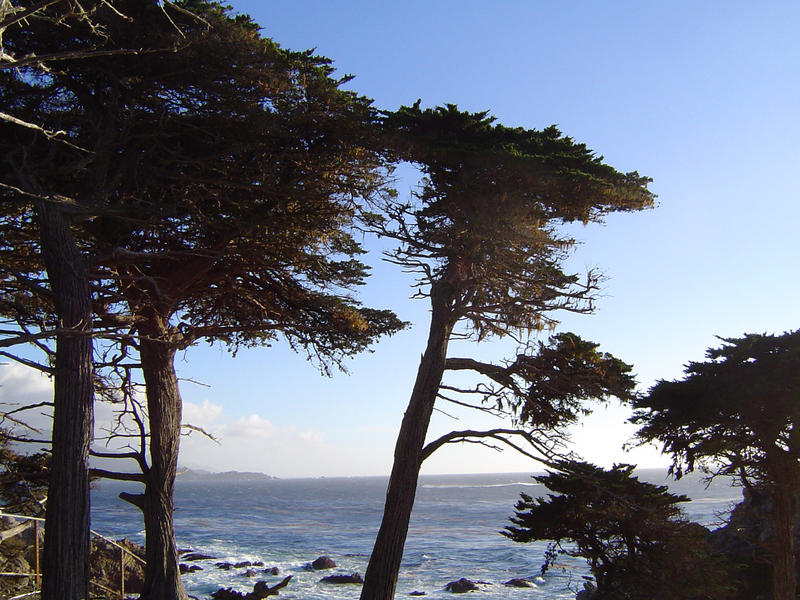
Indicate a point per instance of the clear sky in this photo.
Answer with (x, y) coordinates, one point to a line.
(701, 96)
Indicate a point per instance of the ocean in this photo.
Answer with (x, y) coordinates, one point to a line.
(287, 523)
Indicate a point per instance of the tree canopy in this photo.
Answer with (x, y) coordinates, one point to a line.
(738, 414)
(215, 174)
(632, 533)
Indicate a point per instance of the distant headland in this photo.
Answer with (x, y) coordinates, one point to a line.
(201, 474)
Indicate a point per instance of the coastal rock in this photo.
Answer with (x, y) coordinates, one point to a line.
(184, 568)
(225, 566)
(15, 564)
(461, 586)
(242, 564)
(323, 562)
(227, 594)
(105, 565)
(258, 563)
(192, 556)
(260, 590)
(272, 571)
(519, 582)
(417, 593)
(249, 573)
(339, 579)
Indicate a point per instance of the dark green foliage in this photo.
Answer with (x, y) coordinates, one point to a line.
(221, 171)
(732, 411)
(563, 375)
(632, 534)
(738, 414)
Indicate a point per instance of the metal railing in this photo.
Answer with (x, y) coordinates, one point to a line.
(37, 574)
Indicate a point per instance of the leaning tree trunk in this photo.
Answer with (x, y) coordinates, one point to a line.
(65, 565)
(162, 574)
(380, 579)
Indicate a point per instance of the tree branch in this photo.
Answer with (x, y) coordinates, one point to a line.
(546, 456)
(138, 477)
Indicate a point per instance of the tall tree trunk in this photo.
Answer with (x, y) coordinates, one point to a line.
(380, 579)
(784, 565)
(162, 575)
(65, 565)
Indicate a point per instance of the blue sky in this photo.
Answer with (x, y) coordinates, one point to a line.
(701, 96)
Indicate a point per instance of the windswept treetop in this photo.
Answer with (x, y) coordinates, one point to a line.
(484, 218)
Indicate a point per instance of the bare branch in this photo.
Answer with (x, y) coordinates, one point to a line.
(544, 455)
(138, 477)
(28, 363)
(200, 430)
(57, 136)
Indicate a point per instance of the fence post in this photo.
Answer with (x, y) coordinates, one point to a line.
(37, 577)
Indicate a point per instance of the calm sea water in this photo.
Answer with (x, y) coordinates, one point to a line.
(288, 523)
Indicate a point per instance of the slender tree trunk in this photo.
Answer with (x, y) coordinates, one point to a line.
(65, 565)
(784, 566)
(380, 579)
(162, 575)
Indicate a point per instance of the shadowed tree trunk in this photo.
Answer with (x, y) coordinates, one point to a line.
(65, 566)
(162, 575)
(380, 579)
(784, 511)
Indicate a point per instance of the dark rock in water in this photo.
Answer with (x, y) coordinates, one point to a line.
(242, 564)
(225, 566)
(258, 563)
(352, 578)
(249, 573)
(461, 586)
(272, 571)
(518, 582)
(192, 556)
(184, 568)
(323, 562)
(227, 594)
(417, 593)
(260, 590)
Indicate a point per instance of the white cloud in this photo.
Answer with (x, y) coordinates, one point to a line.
(251, 427)
(201, 415)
